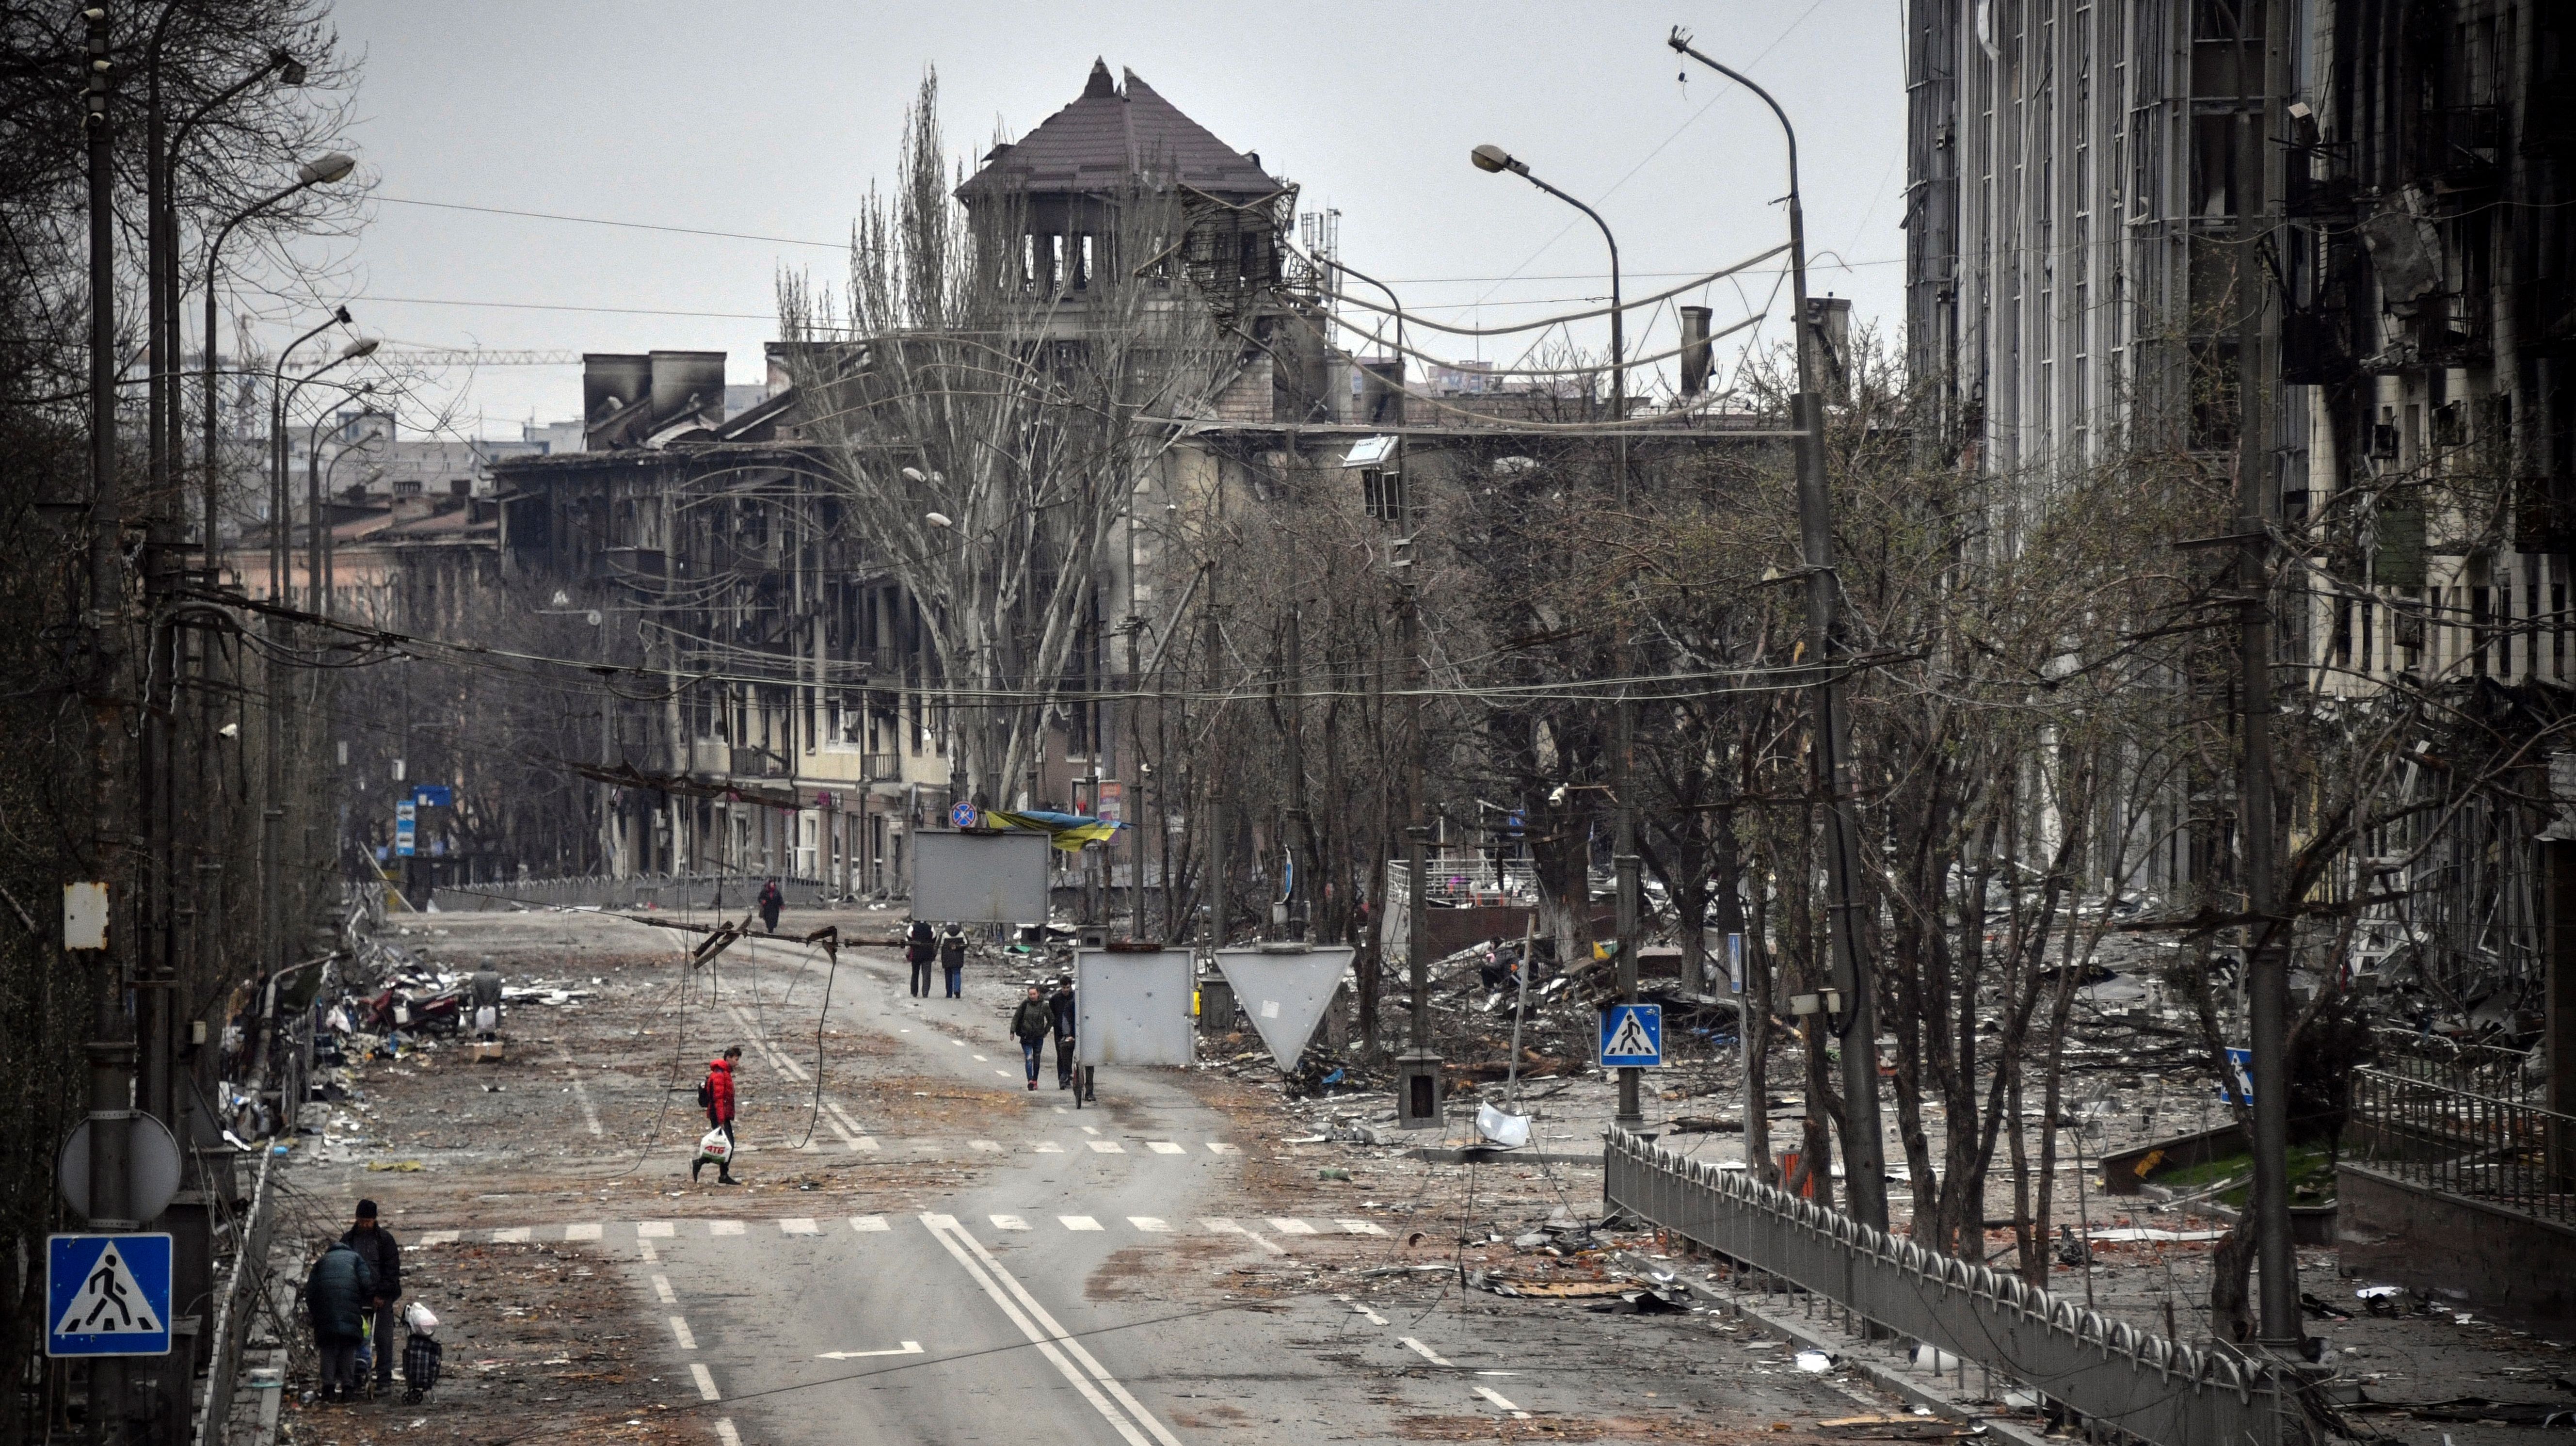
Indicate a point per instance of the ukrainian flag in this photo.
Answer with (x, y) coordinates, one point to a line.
(1071, 832)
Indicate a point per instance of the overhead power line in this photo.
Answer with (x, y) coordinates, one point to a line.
(480, 356)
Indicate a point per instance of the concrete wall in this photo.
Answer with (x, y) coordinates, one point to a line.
(2506, 1263)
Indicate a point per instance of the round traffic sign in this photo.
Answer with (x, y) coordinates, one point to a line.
(151, 1168)
(962, 815)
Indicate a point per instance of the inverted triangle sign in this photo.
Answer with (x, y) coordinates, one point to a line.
(110, 1301)
(1286, 994)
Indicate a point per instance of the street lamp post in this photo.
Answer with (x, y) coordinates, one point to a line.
(1623, 746)
(317, 531)
(1864, 1152)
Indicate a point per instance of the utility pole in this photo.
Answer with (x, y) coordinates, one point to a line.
(110, 1050)
(1301, 822)
(1215, 776)
(1864, 1151)
(1417, 1070)
(2267, 974)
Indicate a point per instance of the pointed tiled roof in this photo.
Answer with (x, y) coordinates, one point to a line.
(1102, 139)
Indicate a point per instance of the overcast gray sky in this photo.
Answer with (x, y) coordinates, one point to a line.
(775, 118)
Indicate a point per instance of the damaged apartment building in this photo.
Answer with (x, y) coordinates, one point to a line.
(802, 731)
(2080, 206)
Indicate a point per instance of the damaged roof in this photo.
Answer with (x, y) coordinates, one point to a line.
(1110, 135)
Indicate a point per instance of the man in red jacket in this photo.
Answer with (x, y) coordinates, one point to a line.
(717, 1095)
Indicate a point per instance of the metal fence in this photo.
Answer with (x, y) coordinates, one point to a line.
(635, 891)
(233, 1306)
(2503, 1152)
(2137, 1383)
(2486, 1069)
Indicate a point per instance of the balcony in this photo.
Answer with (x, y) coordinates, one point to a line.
(2458, 147)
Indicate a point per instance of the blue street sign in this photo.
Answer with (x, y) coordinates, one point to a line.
(107, 1295)
(2240, 1072)
(962, 815)
(1632, 1035)
(433, 795)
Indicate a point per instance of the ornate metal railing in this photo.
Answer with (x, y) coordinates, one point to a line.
(2499, 1151)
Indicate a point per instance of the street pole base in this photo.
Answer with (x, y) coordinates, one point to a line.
(1417, 1091)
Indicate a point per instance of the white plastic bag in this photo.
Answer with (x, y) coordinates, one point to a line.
(714, 1146)
(487, 1020)
(418, 1317)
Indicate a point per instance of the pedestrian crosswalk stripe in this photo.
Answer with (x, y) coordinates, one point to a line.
(866, 1223)
(863, 1143)
(1106, 1147)
(990, 1147)
(1219, 1225)
(510, 1237)
(1359, 1227)
(1166, 1147)
(1150, 1224)
(581, 1232)
(439, 1237)
(1009, 1222)
(1291, 1227)
(1219, 1147)
(983, 1059)
(724, 1227)
(653, 1230)
(1049, 1147)
(1079, 1222)
(798, 1225)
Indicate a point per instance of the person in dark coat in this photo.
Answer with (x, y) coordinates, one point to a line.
(376, 1246)
(921, 947)
(336, 1296)
(1031, 1026)
(1060, 1005)
(952, 960)
(771, 901)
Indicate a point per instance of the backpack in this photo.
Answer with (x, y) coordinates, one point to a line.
(706, 1094)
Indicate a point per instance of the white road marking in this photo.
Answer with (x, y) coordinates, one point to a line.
(1008, 1222)
(866, 1223)
(1373, 1317)
(706, 1383)
(581, 1095)
(908, 1348)
(983, 1059)
(1055, 1343)
(1150, 1224)
(1166, 1147)
(662, 1290)
(516, 1236)
(1091, 1129)
(582, 1232)
(1219, 1225)
(1106, 1147)
(1006, 1074)
(798, 1225)
(724, 1227)
(680, 1332)
(653, 1230)
(961, 1044)
(1049, 1147)
(644, 1251)
(1079, 1222)
(1219, 1147)
(990, 1147)
(1359, 1227)
(1426, 1352)
(1490, 1394)
(439, 1237)
(1291, 1227)
(726, 1433)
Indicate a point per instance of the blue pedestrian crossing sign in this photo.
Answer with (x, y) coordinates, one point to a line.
(107, 1295)
(1632, 1035)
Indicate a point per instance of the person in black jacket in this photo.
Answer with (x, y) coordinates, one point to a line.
(375, 1245)
(921, 947)
(335, 1297)
(952, 960)
(771, 901)
(1060, 1005)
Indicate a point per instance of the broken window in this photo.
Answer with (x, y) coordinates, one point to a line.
(1383, 491)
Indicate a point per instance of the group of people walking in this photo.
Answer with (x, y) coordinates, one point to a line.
(922, 948)
(1041, 1014)
(350, 1297)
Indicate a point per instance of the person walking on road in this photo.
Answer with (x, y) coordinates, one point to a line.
(1032, 1024)
(921, 948)
(717, 1095)
(375, 1245)
(1060, 1010)
(771, 901)
(335, 1297)
(952, 960)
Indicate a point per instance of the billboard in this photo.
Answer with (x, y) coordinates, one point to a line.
(979, 878)
(1132, 1008)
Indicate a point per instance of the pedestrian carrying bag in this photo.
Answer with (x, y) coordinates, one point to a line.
(714, 1146)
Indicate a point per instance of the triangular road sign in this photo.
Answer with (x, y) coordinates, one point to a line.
(1286, 994)
(110, 1302)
